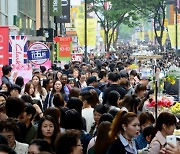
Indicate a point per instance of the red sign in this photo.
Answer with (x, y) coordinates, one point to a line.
(76, 57)
(4, 41)
(65, 47)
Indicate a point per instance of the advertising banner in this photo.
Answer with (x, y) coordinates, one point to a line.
(141, 36)
(24, 70)
(65, 16)
(64, 47)
(17, 49)
(4, 40)
(172, 35)
(47, 64)
(91, 31)
(78, 57)
(151, 35)
(55, 8)
(38, 53)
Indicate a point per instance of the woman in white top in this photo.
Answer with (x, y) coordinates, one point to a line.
(40, 92)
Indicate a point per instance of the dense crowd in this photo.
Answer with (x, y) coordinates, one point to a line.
(93, 108)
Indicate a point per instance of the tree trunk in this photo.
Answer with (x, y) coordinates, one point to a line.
(117, 34)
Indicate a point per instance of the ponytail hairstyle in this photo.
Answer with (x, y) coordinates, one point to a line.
(122, 117)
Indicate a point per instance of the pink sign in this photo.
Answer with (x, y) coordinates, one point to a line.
(47, 64)
(24, 70)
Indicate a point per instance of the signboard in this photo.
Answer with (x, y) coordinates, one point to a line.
(24, 70)
(55, 8)
(38, 53)
(47, 64)
(76, 57)
(17, 49)
(65, 17)
(64, 47)
(48, 33)
(17, 21)
(4, 39)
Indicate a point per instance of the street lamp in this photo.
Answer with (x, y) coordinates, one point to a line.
(85, 31)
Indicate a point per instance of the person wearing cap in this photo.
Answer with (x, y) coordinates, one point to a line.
(92, 83)
(37, 71)
(6, 70)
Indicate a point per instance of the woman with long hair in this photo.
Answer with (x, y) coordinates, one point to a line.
(57, 89)
(47, 130)
(55, 113)
(40, 92)
(29, 89)
(102, 140)
(124, 128)
(165, 126)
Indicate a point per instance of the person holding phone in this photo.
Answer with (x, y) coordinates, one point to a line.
(165, 126)
(170, 149)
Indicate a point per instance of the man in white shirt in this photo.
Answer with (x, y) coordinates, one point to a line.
(87, 111)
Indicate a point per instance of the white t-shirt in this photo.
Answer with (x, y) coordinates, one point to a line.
(87, 113)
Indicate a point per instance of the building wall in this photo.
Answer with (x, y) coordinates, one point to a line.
(4, 12)
(27, 14)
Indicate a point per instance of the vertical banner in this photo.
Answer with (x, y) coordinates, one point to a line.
(151, 35)
(17, 49)
(141, 36)
(172, 35)
(55, 8)
(64, 48)
(4, 39)
(65, 16)
(91, 31)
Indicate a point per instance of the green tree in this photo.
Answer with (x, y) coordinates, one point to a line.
(156, 10)
(119, 11)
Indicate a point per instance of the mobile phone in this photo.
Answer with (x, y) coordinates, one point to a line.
(171, 139)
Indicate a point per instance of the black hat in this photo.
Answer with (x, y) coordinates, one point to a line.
(91, 79)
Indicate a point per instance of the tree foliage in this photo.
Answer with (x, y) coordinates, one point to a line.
(154, 9)
(119, 11)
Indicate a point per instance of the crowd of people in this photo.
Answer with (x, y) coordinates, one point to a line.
(84, 108)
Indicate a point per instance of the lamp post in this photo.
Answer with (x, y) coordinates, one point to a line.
(176, 22)
(85, 31)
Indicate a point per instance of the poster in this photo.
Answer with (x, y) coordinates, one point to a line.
(17, 49)
(91, 31)
(24, 70)
(172, 35)
(4, 40)
(64, 47)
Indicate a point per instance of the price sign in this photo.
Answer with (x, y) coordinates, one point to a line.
(38, 53)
